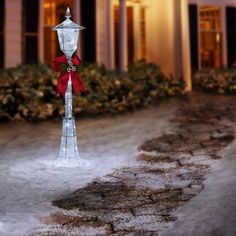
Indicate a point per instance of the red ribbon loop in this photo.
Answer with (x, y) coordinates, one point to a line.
(63, 79)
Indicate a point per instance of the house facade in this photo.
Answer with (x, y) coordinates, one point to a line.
(179, 35)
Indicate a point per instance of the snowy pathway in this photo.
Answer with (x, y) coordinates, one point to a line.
(29, 181)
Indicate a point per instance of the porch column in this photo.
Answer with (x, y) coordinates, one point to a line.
(41, 32)
(185, 45)
(110, 63)
(137, 32)
(122, 36)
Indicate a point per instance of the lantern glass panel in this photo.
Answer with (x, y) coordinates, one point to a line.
(68, 40)
(60, 39)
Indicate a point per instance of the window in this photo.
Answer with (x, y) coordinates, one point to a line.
(54, 13)
(88, 19)
(210, 30)
(231, 34)
(193, 30)
(2, 15)
(30, 19)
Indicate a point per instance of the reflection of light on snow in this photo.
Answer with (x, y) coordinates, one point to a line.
(33, 168)
(32, 177)
(1, 226)
(70, 163)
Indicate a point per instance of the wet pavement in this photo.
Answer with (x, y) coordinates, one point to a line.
(180, 182)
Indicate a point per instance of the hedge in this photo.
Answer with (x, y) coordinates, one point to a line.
(220, 81)
(27, 92)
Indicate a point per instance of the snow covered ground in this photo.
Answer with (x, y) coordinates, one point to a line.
(29, 180)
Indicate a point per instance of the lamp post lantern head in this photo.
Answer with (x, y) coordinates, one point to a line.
(68, 35)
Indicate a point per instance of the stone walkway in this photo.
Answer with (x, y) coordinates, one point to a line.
(145, 197)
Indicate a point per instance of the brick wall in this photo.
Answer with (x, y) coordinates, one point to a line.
(13, 30)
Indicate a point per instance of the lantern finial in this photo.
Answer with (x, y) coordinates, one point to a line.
(68, 15)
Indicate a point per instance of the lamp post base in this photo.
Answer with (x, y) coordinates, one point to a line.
(68, 147)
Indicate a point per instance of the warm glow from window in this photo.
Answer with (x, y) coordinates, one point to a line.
(210, 34)
(128, 2)
(54, 12)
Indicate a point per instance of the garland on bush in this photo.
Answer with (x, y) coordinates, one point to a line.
(27, 92)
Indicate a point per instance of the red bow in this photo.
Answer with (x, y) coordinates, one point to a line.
(64, 76)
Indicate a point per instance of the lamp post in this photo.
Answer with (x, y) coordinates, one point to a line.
(68, 35)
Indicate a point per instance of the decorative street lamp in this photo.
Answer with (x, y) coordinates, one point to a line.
(68, 35)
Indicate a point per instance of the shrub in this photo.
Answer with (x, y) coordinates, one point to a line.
(220, 81)
(27, 92)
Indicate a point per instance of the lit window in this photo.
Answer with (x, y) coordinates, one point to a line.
(210, 30)
(54, 13)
